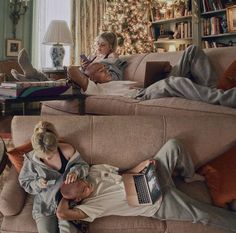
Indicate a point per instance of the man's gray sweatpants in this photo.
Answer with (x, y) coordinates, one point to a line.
(192, 78)
(178, 206)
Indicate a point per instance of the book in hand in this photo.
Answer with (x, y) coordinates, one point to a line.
(35, 91)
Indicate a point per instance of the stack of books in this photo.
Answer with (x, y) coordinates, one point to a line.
(35, 89)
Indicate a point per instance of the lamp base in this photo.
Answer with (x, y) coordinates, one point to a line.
(57, 53)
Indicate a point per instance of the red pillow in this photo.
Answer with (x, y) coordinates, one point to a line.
(16, 155)
(228, 79)
(220, 176)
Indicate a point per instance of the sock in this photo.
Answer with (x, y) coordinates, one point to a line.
(18, 76)
(27, 78)
(25, 64)
(30, 73)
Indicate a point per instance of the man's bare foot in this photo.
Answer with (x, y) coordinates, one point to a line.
(78, 77)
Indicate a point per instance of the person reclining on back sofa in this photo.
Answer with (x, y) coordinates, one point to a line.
(103, 194)
(192, 78)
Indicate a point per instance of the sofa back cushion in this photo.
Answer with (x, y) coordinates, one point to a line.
(124, 141)
(135, 69)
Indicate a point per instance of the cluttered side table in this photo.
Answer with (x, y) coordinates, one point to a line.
(6, 102)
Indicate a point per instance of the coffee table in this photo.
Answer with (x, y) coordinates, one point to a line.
(8, 101)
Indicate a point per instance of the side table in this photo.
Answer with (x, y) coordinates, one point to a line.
(54, 73)
(7, 101)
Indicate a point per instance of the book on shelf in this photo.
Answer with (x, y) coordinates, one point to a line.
(35, 91)
(212, 44)
(19, 84)
(212, 26)
(211, 5)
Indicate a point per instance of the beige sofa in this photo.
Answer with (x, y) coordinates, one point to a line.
(122, 141)
(220, 58)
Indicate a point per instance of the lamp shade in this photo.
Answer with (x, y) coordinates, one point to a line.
(58, 32)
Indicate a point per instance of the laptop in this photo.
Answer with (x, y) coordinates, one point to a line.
(155, 71)
(142, 188)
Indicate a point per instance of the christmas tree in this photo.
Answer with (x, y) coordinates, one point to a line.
(130, 20)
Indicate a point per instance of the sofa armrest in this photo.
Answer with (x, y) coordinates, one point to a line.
(12, 197)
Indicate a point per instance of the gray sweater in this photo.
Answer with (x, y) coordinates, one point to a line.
(45, 199)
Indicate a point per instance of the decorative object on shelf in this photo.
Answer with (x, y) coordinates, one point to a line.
(224, 24)
(57, 35)
(179, 8)
(17, 9)
(231, 18)
(229, 2)
(13, 47)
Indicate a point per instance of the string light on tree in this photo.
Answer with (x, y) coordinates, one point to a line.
(130, 20)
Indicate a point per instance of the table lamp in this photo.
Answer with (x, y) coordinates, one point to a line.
(57, 35)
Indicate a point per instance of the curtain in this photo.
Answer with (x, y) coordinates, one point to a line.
(44, 11)
(87, 16)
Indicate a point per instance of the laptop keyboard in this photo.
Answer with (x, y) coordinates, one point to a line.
(140, 186)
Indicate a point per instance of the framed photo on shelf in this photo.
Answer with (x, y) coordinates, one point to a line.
(13, 47)
(231, 18)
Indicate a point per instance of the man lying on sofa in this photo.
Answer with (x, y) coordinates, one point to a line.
(103, 194)
(192, 78)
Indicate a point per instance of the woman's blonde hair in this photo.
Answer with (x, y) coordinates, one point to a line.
(44, 138)
(111, 38)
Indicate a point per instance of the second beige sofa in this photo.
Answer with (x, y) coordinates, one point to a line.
(220, 58)
(122, 141)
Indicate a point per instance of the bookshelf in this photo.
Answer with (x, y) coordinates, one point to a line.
(201, 23)
(214, 30)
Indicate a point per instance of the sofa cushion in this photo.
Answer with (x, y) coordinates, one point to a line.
(16, 155)
(117, 224)
(179, 106)
(9, 204)
(220, 176)
(189, 227)
(23, 222)
(228, 78)
(70, 106)
(110, 105)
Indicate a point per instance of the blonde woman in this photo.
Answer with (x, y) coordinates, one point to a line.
(49, 164)
(105, 47)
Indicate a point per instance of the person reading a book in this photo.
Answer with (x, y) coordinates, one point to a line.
(44, 169)
(193, 77)
(103, 193)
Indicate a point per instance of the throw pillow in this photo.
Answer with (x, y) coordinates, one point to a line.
(228, 79)
(220, 176)
(16, 155)
(155, 71)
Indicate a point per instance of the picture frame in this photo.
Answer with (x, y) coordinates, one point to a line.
(231, 18)
(13, 47)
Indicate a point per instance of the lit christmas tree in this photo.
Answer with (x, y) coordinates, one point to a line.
(130, 20)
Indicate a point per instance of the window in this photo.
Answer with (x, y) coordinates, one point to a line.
(44, 12)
